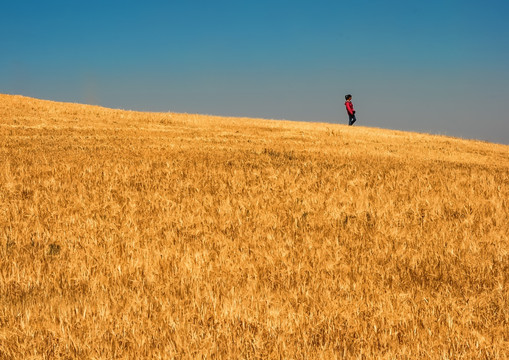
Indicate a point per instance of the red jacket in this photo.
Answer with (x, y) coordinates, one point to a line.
(349, 107)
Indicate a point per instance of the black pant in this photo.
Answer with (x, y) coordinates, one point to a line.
(351, 119)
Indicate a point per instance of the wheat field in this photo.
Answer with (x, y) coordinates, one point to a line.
(130, 235)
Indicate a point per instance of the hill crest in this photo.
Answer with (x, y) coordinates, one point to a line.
(24, 112)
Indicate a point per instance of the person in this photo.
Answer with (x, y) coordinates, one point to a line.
(350, 110)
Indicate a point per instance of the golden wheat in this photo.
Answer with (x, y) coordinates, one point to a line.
(160, 235)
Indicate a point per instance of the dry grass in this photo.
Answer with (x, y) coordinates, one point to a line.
(143, 235)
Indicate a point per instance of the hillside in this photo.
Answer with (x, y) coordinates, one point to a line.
(158, 235)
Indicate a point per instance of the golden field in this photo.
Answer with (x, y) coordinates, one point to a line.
(158, 235)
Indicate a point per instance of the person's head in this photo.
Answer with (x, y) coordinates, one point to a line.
(348, 97)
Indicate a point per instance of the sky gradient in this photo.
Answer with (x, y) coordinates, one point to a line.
(436, 66)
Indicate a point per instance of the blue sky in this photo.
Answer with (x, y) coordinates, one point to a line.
(431, 66)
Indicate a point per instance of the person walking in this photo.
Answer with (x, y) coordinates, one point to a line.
(350, 110)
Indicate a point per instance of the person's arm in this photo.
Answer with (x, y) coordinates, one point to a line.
(349, 108)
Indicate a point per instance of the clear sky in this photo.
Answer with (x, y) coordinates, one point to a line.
(432, 66)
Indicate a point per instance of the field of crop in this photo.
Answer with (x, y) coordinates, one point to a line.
(159, 235)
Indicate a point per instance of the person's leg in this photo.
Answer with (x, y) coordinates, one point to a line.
(351, 119)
